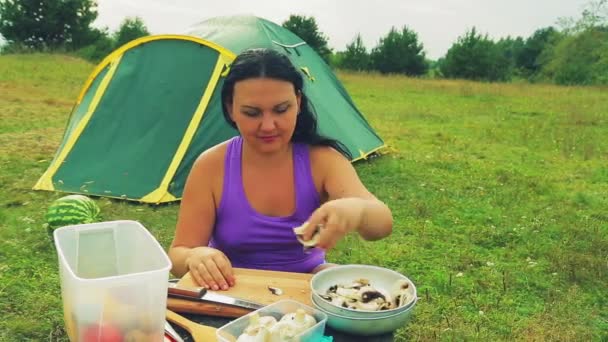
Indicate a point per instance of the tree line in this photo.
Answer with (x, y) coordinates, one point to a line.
(62, 26)
(573, 52)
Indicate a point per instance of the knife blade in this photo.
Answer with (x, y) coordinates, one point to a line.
(172, 333)
(202, 294)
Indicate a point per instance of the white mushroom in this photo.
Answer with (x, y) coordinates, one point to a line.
(401, 292)
(282, 332)
(267, 321)
(259, 334)
(299, 320)
(361, 295)
(357, 284)
(374, 299)
(314, 240)
(275, 290)
(255, 322)
(338, 301)
(291, 325)
(371, 306)
(388, 300)
(348, 293)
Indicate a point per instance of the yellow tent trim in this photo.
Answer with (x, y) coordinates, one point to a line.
(226, 54)
(46, 181)
(364, 155)
(306, 71)
(161, 192)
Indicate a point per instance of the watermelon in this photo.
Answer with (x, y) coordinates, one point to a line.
(70, 210)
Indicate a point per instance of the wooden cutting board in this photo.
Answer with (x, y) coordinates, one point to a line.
(251, 285)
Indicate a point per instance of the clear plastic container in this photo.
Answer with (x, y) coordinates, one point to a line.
(231, 331)
(114, 279)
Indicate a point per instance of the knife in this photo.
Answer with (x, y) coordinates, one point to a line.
(202, 294)
(172, 333)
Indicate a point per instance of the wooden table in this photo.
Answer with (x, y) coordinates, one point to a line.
(220, 321)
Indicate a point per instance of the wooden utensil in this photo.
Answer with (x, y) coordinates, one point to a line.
(250, 285)
(199, 332)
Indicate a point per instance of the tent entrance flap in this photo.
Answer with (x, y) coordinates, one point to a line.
(162, 193)
(136, 129)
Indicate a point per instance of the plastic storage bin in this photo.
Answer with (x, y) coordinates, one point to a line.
(231, 331)
(114, 279)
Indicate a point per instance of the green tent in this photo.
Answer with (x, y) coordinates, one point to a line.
(152, 106)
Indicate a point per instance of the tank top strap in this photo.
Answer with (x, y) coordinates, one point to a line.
(232, 173)
(306, 191)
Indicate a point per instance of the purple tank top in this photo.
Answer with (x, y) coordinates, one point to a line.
(252, 240)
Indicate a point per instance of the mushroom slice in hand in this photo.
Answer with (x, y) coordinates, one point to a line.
(314, 240)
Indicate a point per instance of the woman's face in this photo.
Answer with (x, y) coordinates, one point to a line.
(265, 112)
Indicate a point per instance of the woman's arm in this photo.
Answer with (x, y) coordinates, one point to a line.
(196, 215)
(208, 266)
(350, 206)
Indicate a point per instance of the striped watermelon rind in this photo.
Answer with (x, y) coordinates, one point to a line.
(70, 210)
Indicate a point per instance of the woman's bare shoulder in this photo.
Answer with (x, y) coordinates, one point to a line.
(212, 159)
(325, 155)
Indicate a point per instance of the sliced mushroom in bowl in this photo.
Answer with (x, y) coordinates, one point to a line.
(362, 291)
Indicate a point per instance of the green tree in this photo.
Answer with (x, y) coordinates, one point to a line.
(102, 45)
(356, 57)
(336, 58)
(476, 57)
(594, 15)
(511, 48)
(579, 53)
(529, 60)
(51, 24)
(307, 29)
(434, 70)
(130, 29)
(580, 58)
(400, 52)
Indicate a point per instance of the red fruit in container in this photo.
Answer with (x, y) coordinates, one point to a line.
(102, 333)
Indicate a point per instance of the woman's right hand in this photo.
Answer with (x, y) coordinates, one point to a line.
(210, 268)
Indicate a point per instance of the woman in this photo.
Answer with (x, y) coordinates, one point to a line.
(243, 197)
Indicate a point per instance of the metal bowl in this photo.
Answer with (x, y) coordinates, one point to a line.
(369, 326)
(379, 277)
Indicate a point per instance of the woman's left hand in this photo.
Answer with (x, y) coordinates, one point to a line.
(336, 219)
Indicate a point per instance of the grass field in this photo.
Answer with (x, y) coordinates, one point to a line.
(499, 194)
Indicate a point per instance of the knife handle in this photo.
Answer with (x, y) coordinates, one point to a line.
(191, 292)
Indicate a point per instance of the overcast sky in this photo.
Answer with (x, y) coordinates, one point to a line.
(438, 22)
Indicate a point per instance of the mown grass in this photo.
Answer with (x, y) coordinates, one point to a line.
(499, 194)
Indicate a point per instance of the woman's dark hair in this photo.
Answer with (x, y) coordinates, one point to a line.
(268, 63)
